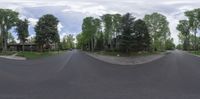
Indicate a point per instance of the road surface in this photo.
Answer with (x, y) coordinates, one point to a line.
(75, 75)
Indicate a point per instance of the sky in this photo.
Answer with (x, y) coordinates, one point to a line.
(71, 12)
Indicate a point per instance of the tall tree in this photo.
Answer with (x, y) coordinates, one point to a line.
(68, 41)
(184, 28)
(80, 41)
(141, 36)
(170, 44)
(8, 19)
(194, 22)
(88, 32)
(11, 38)
(117, 19)
(108, 29)
(97, 33)
(127, 29)
(91, 29)
(47, 31)
(159, 30)
(22, 30)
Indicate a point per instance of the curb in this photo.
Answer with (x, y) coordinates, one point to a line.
(13, 58)
(124, 64)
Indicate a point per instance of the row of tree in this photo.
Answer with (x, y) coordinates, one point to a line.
(46, 31)
(188, 30)
(115, 32)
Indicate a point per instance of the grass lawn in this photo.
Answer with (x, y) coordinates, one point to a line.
(35, 55)
(195, 52)
(110, 53)
(7, 53)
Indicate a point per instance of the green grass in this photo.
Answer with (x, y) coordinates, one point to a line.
(110, 53)
(195, 52)
(36, 55)
(7, 53)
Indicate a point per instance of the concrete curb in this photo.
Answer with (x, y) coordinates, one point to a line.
(127, 63)
(13, 58)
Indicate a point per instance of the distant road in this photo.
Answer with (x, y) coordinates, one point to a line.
(75, 75)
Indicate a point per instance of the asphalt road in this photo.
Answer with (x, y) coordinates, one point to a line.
(74, 75)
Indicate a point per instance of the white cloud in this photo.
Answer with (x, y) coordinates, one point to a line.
(33, 21)
(60, 26)
(173, 9)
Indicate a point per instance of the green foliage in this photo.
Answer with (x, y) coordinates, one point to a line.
(22, 30)
(127, 29)
(169, 44)
(193, 40)
(68, 42)
(141, 36)
(194, 23)
(90, 32)
(47, 31)
(184, 35)
(11, 39)
(159, 30)
(189, 29)
(1, 42)
(122, 33)
(179, 46)
(8, 19)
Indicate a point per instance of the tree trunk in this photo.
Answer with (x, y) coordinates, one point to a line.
(195, 45)
(92, 44)
(4, 42)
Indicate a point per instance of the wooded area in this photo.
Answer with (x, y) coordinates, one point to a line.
(125, 33)
(188, 29)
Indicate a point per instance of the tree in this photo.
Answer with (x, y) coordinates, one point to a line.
(97, 32)
(111, 26)
(91, 29)
(11, 38)
(1, 39)
(117, 19)
(170, 44)
(126, 29)
(193, 40)
(80, 41)
(184, 29)
(141, 36)
(8, 19)
(159, 30)
(47, 31)
(194, 22)
(88, 32)
(108, 29)
(68, 42)
(22, 30)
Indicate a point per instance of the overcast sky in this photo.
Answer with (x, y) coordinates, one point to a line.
(71, 12)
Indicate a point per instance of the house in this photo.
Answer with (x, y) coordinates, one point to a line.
(19, 47)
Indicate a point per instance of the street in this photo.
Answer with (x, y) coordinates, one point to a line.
(75, 75)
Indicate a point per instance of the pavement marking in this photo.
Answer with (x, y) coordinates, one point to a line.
(66, 62)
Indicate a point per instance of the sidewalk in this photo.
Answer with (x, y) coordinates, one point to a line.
(13, 57)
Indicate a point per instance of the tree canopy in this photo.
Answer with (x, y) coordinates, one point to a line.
(47, 31)
(159, 30)
(8, 19)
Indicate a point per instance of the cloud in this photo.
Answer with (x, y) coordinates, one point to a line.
(71, 12)
(60, 26)
(32, 21)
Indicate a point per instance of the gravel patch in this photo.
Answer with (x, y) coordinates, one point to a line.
(133, 60)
